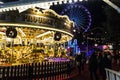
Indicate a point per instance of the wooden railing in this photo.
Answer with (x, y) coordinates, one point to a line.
(42, 71)
(112, 75)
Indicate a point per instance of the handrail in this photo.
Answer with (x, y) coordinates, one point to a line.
(112, 74)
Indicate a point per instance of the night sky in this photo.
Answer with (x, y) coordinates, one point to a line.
(104, 17)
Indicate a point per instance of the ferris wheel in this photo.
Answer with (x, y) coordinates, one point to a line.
(80, 15)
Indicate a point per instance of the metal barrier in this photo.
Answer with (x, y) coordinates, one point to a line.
(112, 75)
(42, 71)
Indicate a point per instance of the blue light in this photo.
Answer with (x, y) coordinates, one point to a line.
(80, 15)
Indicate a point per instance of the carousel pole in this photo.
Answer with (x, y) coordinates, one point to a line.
(34, 43)
(12, 40)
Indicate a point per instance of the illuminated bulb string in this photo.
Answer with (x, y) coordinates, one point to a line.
(25, 5)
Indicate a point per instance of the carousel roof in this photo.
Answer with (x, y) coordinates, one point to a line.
(36, 24)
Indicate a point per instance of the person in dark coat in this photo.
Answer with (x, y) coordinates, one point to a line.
(93, 66)
(102, 65)
(108, 60)
(79, 62)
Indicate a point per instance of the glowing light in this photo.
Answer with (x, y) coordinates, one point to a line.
(28, 6)
(75, 0)
(74, 30)
(3, 37)
(44, 5)
(40, 35)
(110, 46)
(1, 2)
(2, 33)
(11, 9)
(14, 8)
(70, 1)
(80, 0)
(3, 28)
(65, 1)
(55, 3)
(9, 39)
(105, 47)
(23, 34)
(96, 45)
(48, 40)
(21, 9)
(60, 2)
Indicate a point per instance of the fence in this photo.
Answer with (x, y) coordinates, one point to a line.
(41, 71)
(112, 75)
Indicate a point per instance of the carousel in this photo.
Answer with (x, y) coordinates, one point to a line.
(33, 35)
(33, 43)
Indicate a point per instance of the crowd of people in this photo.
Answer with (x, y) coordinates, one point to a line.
(97, 62)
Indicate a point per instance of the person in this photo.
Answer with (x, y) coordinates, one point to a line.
(93, 66)
(83, 61)
(102, 64)
(108, 60)
(80, 59)
(69, 68)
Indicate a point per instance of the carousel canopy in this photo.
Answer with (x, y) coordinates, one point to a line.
(36, 24)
